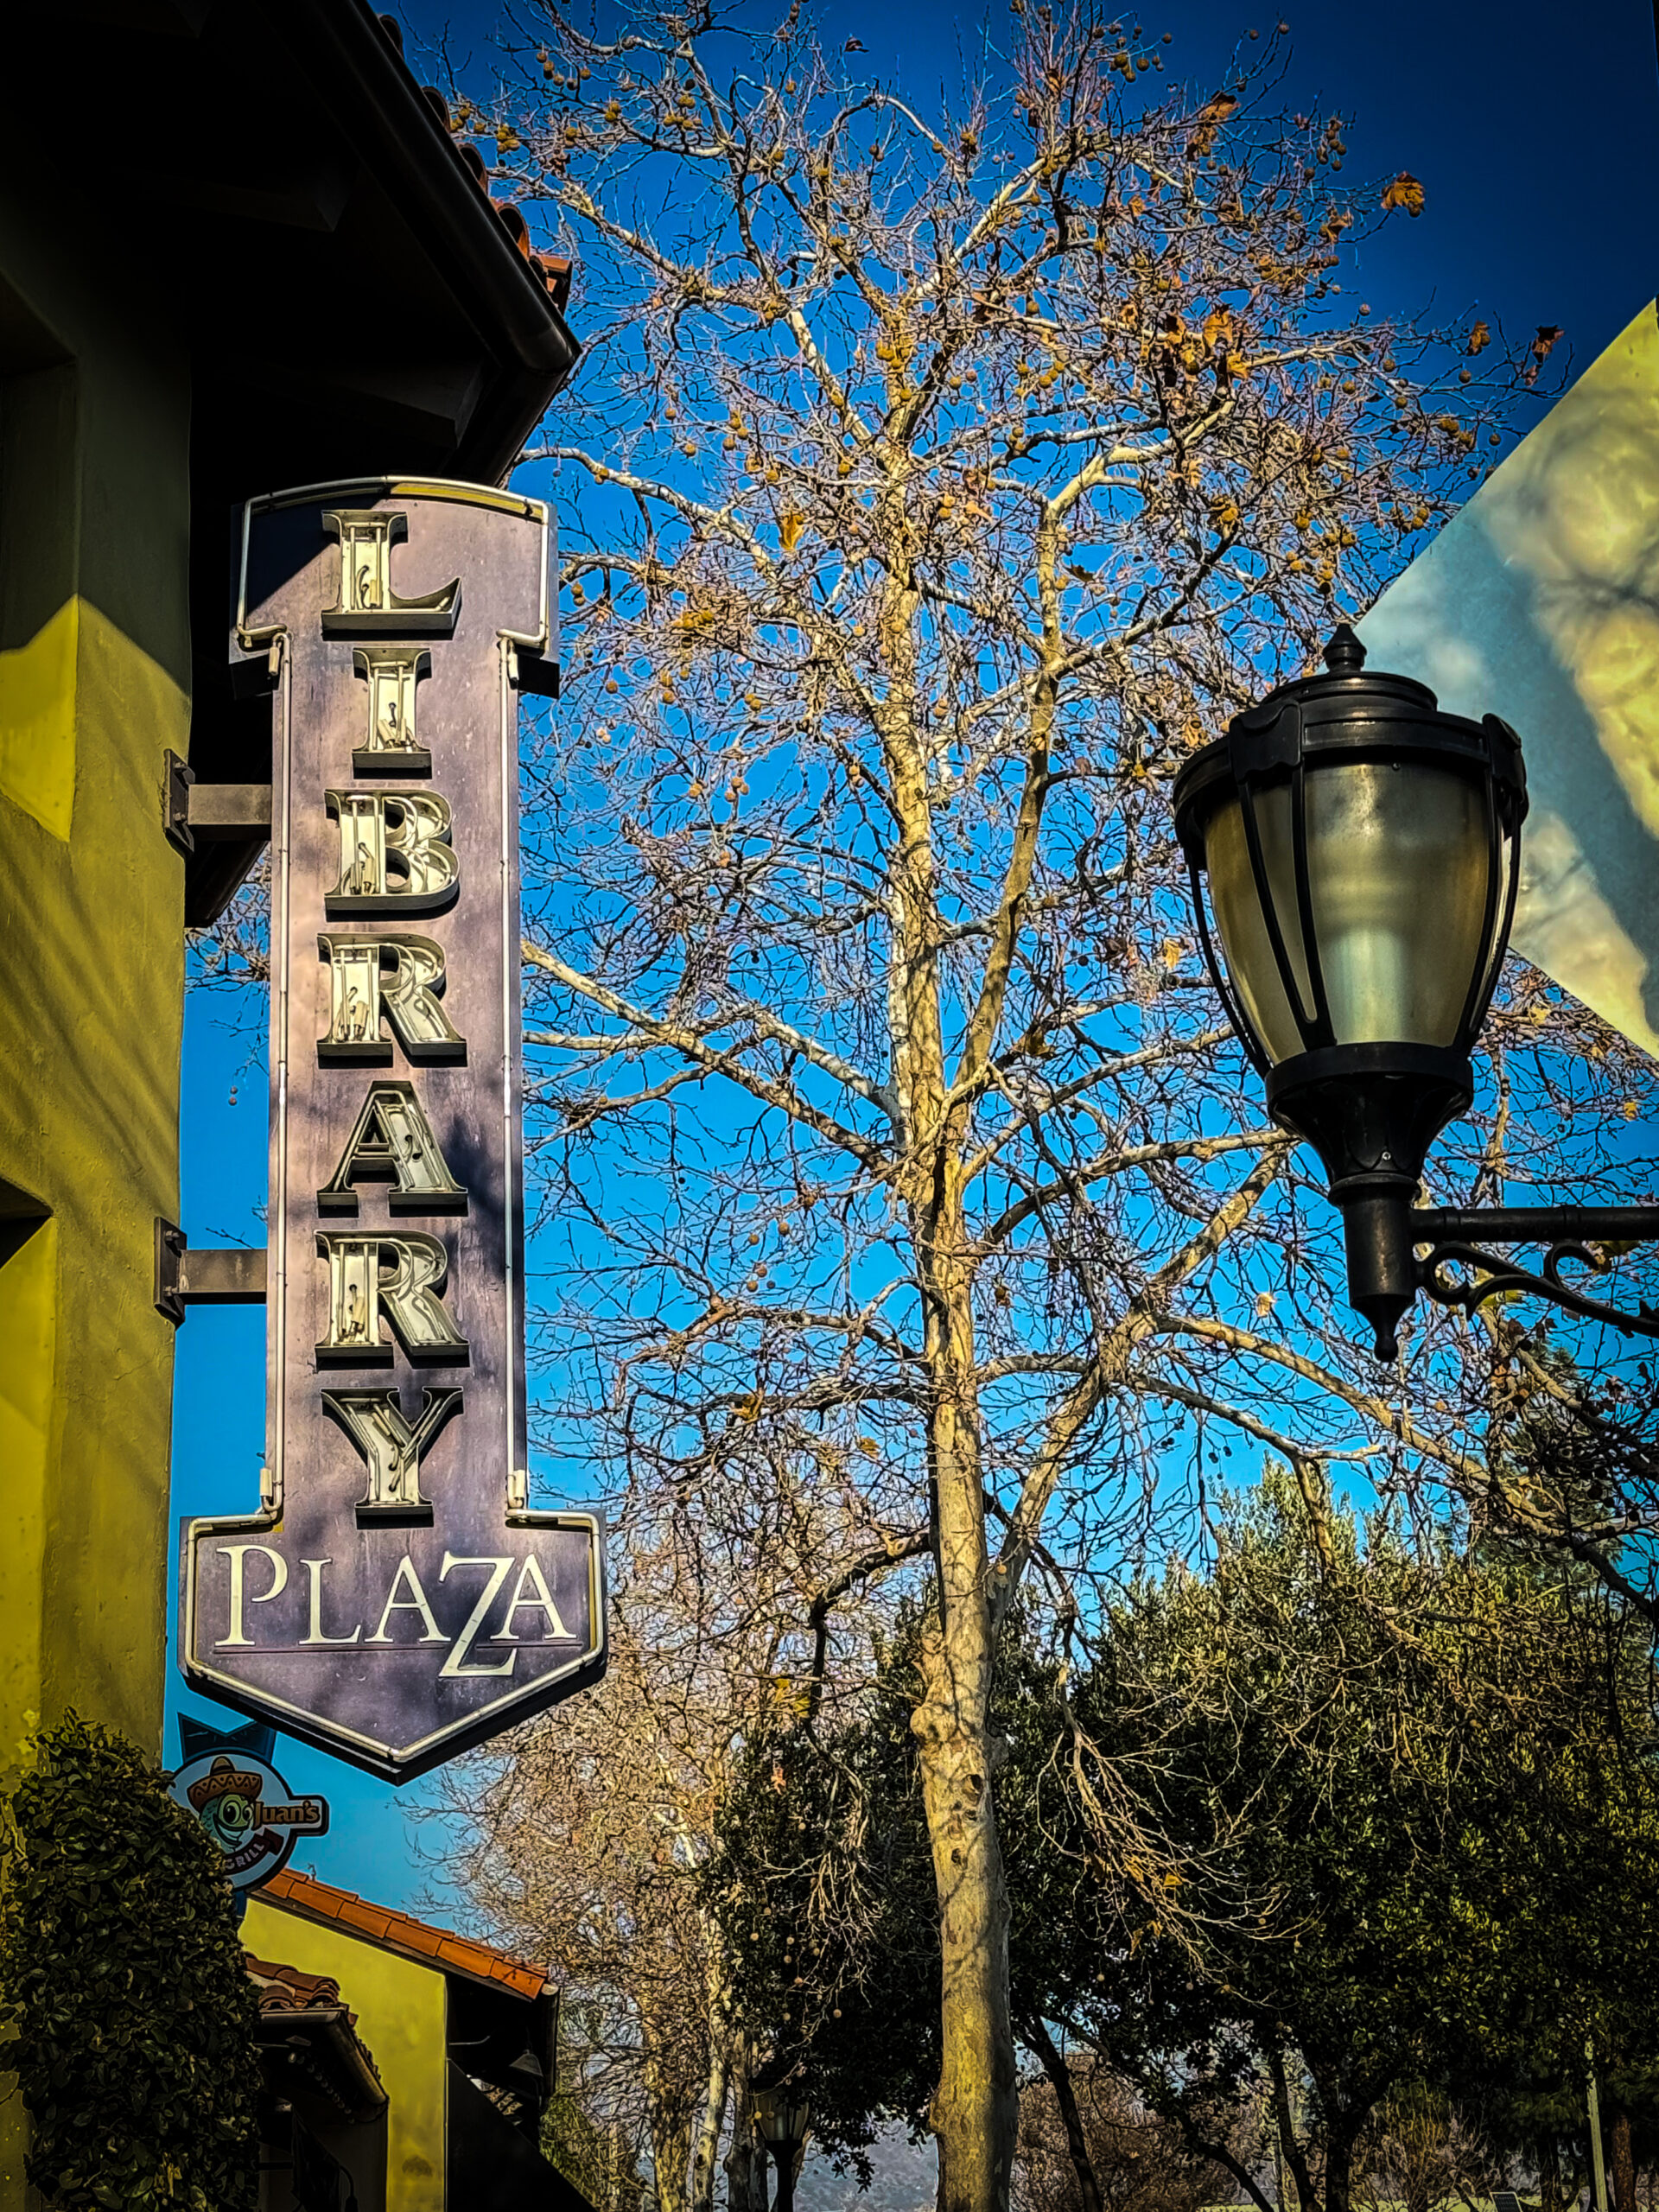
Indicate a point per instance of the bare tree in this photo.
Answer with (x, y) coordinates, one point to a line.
(579, 1842)
(582, 1839)
(1423, 2154)
(934, 484)
(586, 1833)
(1087, 2143)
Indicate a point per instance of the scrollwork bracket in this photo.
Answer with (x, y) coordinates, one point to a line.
(1500, 1277)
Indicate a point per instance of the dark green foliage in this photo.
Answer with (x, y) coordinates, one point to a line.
(125, 1988)
(822, 1884)
(822, 1881)
(1418, 1822)
(1373, 1812)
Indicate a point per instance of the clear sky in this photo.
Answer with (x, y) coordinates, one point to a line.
(1534, 130)
(1535, 134)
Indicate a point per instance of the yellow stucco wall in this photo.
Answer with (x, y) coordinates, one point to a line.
(400, 2016)
(94, 661)
(89, 1041)
(94, 658)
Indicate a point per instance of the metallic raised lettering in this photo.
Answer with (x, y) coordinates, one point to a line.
(415, 1603)
(460, 1650)
(391, 673)
(393, 1140)
(400, 975)
(395, 855)
(537, 1595)
(241, 1595)
(400, 1276)
(391, 1450)
(313, 1567)
(367, 602)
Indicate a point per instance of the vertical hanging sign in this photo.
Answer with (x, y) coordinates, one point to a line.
(396, 1599)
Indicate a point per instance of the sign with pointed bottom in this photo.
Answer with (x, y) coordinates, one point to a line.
(397, 1599)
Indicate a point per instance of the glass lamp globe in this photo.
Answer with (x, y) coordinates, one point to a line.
(1362, 852)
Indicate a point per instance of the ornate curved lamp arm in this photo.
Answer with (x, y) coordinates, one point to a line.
(1458, 1239)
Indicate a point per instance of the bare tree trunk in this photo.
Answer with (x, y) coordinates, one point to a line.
(976, 2110)
(1059, 2076)
(746, 2159)
(671, 2146)
(668, 2152)
(1559, 2190)
(706, 2154)
(1340, 2138)
(974, 2114)
(1295, 2156)
(1549, 2176)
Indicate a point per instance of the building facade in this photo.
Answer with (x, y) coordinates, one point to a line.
(269, 261)
(464, 2040)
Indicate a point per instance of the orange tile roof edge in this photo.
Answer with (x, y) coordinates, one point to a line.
(304, 1896)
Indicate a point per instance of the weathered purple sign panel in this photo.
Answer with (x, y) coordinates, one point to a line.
(396, 1600)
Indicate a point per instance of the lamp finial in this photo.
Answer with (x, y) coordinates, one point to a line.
(1344, 654)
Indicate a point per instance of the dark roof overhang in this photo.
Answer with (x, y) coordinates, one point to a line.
(264, 191)
(320, 2048)
(269, 181)
(354, 63)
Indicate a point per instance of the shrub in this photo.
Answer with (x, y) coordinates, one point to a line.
(124, 1987)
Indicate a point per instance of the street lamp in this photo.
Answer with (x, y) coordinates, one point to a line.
(1362, 852)
(781, 2116)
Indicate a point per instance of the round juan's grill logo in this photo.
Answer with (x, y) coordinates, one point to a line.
(249, 1812)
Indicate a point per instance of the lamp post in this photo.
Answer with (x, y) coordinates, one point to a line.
(1363, 854)
(781, 2116)
(527, 2079)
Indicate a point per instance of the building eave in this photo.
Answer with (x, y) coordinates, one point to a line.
(358, 74)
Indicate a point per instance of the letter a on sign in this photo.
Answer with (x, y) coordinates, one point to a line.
(397, 1598)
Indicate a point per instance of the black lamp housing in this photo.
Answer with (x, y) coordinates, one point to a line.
(1363, 851)
(781, 2113)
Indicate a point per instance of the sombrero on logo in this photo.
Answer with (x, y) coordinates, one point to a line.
(223, 1781)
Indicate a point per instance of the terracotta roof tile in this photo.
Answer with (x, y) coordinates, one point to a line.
(285, 1989)
(553, 270)
(400, 1932)
(284, 1992)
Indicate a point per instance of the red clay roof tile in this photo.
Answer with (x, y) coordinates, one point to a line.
(285, 1989)
(553, 270)
(399, 1932)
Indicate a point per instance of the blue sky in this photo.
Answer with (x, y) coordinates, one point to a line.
(1535, 134)
(1534, 131)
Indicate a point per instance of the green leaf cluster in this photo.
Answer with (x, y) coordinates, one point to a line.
(1412, 1797)
(124, 1990)
(1415, 1762)
(1356, 1808)
(822, 1883)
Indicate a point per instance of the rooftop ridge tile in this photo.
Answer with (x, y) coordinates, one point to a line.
(400, 1932)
